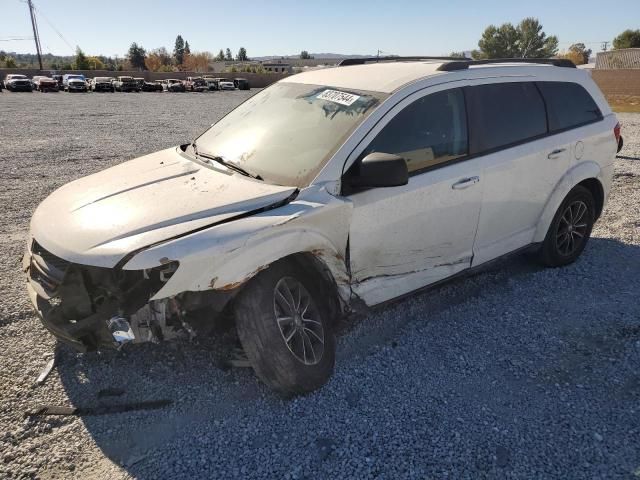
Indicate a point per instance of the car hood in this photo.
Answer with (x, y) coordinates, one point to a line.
(99, 219)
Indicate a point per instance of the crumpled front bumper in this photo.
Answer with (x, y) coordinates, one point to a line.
(88, 334)
(43, 281)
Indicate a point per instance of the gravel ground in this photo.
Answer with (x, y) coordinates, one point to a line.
(517, 372)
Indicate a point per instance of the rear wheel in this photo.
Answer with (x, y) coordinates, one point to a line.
(570, 229)
(285, 330)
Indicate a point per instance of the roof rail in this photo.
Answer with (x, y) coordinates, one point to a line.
(464, 64)
(361, 61)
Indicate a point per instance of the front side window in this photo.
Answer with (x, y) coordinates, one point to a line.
(569, 105)
(428, 132)
(286, 133)
(504, 114)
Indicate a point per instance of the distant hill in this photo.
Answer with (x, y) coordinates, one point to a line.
(314, 55)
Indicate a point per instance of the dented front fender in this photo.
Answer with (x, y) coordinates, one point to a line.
(226, 256)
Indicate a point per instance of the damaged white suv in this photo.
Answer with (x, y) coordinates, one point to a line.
(350, 185)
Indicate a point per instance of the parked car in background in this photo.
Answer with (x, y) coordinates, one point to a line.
(146, 86)
(102, 84)
(58, 78)
(212, 84)
(74, 83)
(241, 83)
(196, 84)
(125, 84)
(226, 84)
(44, 83)
(173, 85)
(15, 82)
(158, 85)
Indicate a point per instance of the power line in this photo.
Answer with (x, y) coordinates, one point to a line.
(14, 39)
(54, 28)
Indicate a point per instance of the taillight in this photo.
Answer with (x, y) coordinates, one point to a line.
(616, 132)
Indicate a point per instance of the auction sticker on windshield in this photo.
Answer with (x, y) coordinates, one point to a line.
(343, 98)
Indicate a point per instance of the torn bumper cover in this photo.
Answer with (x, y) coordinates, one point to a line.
(93, 308)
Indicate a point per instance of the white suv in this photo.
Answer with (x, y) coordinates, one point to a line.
(333, 188)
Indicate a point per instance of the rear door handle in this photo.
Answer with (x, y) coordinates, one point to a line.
(465, 183)
(556, 153)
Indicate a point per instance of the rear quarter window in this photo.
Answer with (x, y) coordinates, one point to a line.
(504, 114)
(569, 105)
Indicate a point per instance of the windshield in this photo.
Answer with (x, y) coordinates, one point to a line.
(18, 77)
(287, 132)
(102, 79)
(75, 77)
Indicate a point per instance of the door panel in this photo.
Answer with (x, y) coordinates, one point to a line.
(404, 238)
(508, 126)
(517, 184)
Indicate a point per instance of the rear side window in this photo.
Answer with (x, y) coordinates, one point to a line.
(569, 105)
(428, 132)
(504, 114)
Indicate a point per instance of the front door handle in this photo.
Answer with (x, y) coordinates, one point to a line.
(465, 183)
(556, 153)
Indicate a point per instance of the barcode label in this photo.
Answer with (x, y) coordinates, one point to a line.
(343, 98)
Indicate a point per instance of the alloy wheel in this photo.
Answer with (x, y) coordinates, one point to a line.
(572, 229)
(298, 320)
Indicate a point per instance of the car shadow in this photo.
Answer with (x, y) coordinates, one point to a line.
(202, 391)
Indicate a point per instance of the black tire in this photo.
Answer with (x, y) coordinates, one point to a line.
(295, 367)
(620, 144)
(570, 229)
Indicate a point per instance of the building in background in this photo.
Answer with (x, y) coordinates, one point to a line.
(623, 59)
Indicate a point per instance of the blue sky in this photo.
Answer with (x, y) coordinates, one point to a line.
(281, 27)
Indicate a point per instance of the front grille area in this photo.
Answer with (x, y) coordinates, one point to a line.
(49, 257)
(47, 270)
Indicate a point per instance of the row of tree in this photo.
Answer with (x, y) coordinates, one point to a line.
(528, 40)
(160, 60)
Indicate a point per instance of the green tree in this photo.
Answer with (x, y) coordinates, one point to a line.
(526, 40)
(242, 55)
(220, 56)
(457, 55)
(579, 50)
(81, 62)
(304, 55)
(227, 55)
(187, 48)
(10, 62)
(3, 55)
(627, 39)
(533, 42)
(178, 50)
(136, 56)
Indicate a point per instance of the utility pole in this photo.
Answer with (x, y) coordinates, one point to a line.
(34, 24)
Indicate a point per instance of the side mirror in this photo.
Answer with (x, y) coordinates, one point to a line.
(381, 170)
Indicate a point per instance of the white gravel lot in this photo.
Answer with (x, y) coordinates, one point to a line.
(517, 372)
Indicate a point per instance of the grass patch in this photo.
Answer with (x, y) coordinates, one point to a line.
(624, 103)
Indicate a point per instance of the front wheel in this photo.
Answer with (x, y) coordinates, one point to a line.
(285, 330)
(570, 229)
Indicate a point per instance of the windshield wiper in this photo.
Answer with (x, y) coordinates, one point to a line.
(220, 159)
